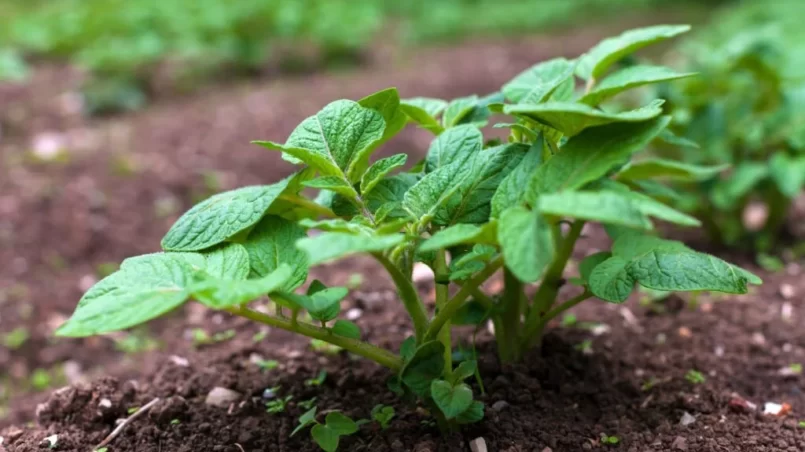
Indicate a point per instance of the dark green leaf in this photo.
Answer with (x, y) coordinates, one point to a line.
(473, 414)
(788, 173)
(304, 420)
(272, 243)
(743, 179)
(426, 365)
(512, 188)
(465, 370)
(471, 313)
(589, 263)
(347, 329)
(451, 399)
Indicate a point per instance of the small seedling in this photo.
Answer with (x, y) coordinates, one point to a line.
(586, 346)
(278, 405)
(175, 422)
(259, 336)
(133, 410)
(796, 368)
(695, 377)
(307, 404)
(16, 338)
(472, 209)
(202, 337)
(610, 440)
(383, 414)
(318, 380)
(569, 320)
(801, 424)
(41, 379)
(267, 364)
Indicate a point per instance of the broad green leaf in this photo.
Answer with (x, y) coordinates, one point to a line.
(788, 173)
(323, 305)
(526, 241)
(347, 329)
(433, 191)
(391, 190)
(221, 216)
(457, 234)
(379, 170)
(329, 434)
(408, 349)
(334, 184)
(473, 414)
(455, 145)
(426, 365)
(588, 264)
(512, 188)
(480, 113)
(473, 202)
(571, 118)
(604, 206)
(665, 265)
(591, 155)
(230, 261)
(424, 112)
(457, 109)
(727, 192)
(648, 205)
(272, 243)
(387, 103)
(329, 246)
(145, 289)
(309, 417)
(465, 370)
(669, 169)
(337, 225)
(671, 138)
(537, 83)
(221, 293)
(465, 265)
(336, 140)
(595, 63)
(451, 399)
(629, 78)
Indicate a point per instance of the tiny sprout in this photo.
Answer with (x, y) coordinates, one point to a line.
(279, 405)
(267, 364)
(801, 424)
(611, 440)
(133, 410)
(259, 336)
(695, 377)
(318, 380)
(307, 404)
(586, 346)
(796, 368)
(383, 415)
(175, 422)
(569, 320)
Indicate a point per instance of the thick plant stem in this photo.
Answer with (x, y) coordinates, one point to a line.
(509, 334)
(455, 303)
(551, 282)
(535, 334)
(410, 298)
(366, 350)
(442, 287)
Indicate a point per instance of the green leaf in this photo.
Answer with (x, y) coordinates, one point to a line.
(525, 238)
(537, 83)
(571, 118)
(143, 289)
(510, 192)
(379, 170)
(329, 246)
(629, 78)
(451, 399)
(473, 414)
(222, 216)
(788, 173)
(424, 112)
(727, 192)
(480, 113)
(648, 205)
(306, 419)
(408, 349)
(322, 303)
(391, 190)
(588, 264)
(329, 434)
(347, 329)
(465, 370)
(595, 63)
(336, 140)
(387, 103)
(426, 365)
(457, 109)
(334, 184)
(453, 235)
(230, 261)
(671, 138)
(465, 265)
(591, 155)
(219, 293)
(455, 145)
(433, 191)
(604, 206)
(272, 243)
(665, 265)
(669, 169)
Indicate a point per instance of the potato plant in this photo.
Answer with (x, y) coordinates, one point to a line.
(470, 210)
(746, 108)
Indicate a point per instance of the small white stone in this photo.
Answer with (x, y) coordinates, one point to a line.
(600, 329)
(719, 351)
(755, 215)
(48, 145)
(786, 311)
(52, 441)
(179, 361)
(772, 408)
(687, 419)
(221, 397)
(787, 291)
(354, 314)
(478, 445)
(105, 403)
(86, 282)
(422, 273)
(758, 339)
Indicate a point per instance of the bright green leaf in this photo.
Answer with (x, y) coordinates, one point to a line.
(272, 243)
(457, 109)
(329, 434)
(669, 169)
(604, 206)
(334, 184)
(304, 420)
(525, 238)
(465, 370)
(424, 112)
(788, 173)
(221, 293)
(453, 235)
(347, 329)
(451, 399)
(230, 261)
(379, 170)
(510, 192)
(457, 144)
(537, 83)
(629, 78)
(328, 246)
(735, 186)
(473, 414)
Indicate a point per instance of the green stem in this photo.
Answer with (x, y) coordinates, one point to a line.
(410, 298)
(485, 300)
(455, 303)
(535, 335)
(366, 350)
(551, 282)
(509, 334)
(310, 205)
(442, 293)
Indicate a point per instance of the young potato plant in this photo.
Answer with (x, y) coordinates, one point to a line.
(747, 109)
(469, 210)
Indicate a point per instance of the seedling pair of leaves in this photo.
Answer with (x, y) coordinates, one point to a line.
(744, 109)
(470, 209)
(328, 434)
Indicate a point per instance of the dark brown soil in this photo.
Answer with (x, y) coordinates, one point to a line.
(120, 183)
